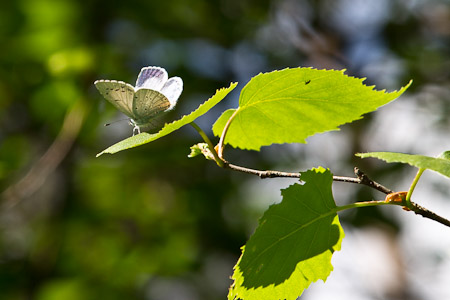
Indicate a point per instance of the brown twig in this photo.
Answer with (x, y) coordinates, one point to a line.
(360, 179)
(364, 179)
(261, 174)
(426, 213)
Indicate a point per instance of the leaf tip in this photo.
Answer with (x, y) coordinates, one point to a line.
(404, 88)
(232, 86)
(409, 84)
(361, 155)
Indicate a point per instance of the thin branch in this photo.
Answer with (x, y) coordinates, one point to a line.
(261, 174)
(416, 208)
(361, 177)
(426, 213)
(364, 179)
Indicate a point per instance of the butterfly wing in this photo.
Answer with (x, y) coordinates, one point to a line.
(172, 90)
(118, 93)
(147, 104)
(152, 78)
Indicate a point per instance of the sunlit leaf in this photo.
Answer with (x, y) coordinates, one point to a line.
(201, 149)
(145, 137)
(290, 105)
(293, 245)
(440, 164)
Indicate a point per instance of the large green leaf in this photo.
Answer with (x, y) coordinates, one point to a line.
(440, 164)
(293, 244)
(145, 137)
(289, 105)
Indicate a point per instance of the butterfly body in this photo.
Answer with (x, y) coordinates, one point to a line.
(153, 94)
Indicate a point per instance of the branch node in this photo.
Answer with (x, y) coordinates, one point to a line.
(364, 179)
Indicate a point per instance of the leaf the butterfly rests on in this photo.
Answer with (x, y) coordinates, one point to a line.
(145, 137)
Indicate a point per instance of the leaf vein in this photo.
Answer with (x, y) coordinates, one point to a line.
(290, 234)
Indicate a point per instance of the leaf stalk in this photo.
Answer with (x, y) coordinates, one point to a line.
(221, 145)
(364, 204)
(218, 161)
(412, 187)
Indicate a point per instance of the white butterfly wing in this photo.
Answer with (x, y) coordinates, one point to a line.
(172, 90)
(119, 93)
(152, 78)
(147, 104)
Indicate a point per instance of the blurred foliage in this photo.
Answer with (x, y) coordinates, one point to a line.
(150, 223)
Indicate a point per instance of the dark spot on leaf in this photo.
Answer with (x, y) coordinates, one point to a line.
(307, 81)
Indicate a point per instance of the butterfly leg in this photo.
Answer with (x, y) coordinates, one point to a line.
(136, 128)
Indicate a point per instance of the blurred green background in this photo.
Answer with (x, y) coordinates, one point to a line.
(149, 223)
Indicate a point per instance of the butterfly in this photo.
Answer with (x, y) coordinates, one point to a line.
(153, 94)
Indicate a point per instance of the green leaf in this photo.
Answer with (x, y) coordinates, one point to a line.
(197, 149)
(293, 244)
(290, 105)
(440, 164)
(145, 137)
(201, 149)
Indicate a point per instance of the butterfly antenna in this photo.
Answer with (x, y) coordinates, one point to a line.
(107, 124)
